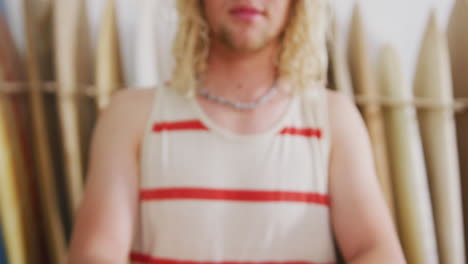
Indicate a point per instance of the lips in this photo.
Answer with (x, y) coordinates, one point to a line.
(246, 12)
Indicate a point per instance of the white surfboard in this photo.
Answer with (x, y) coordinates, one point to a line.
(156, 27)
(68, 18)
(126, 13)
(433, 81)
(458, 43)
(364, 84)
(413, 203)
(126, 18)
(108, 66)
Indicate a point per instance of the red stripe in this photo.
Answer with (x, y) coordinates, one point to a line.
(147, 259)
(305, 132)
(233, 195)
(180, 125)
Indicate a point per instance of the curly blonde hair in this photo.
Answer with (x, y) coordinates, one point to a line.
(302, 60)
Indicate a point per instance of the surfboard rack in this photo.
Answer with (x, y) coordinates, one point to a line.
(459, 105)
(48, 87)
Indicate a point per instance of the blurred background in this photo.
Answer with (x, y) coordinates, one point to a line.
(403, 62)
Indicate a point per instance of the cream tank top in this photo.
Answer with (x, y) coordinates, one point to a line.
(210, 196)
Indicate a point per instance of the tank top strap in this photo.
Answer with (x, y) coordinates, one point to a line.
(167, 106)
(153, 117)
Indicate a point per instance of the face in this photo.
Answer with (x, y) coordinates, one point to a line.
(246, 25)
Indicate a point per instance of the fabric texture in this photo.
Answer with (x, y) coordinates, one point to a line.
(212, 196)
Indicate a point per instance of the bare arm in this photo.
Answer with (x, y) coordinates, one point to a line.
(105, 221)
(360, 216)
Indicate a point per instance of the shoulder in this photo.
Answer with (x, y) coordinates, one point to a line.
(130, 103)
(345, 120)
(130, 96)
(340, 104)
(127, 113)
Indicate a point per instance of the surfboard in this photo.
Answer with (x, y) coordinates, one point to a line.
(13, 221)
(433, 81)
(413, 204)
(43, 40)
(340, 76)
(108, 66)
(68, 61)
(364, 84)
(126, 16)
(43, 47)
(458, 42)
(156, 27)
(37, 15)
(21, 186)
(86, 72)
(127, 30)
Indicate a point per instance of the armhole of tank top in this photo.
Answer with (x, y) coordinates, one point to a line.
(328, 135)
(324, 121)
(317, 110)
(155, 107)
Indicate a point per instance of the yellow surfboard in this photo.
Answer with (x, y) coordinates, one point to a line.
(365, 85)
(413, 203)
(12, 217)
(433, 81)
(35, 12)
(108, 66)
(458, 43)
(69, 63)
(19, 207)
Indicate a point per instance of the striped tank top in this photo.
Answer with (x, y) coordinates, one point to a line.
(210, 196)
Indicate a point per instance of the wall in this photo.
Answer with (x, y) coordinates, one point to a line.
(398, 22)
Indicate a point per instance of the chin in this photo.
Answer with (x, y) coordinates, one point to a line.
(248, 44)
(246, 41)
(252, 48)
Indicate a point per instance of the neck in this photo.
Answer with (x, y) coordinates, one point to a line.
(239, 75)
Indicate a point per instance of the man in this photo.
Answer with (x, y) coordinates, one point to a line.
(243, 158)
